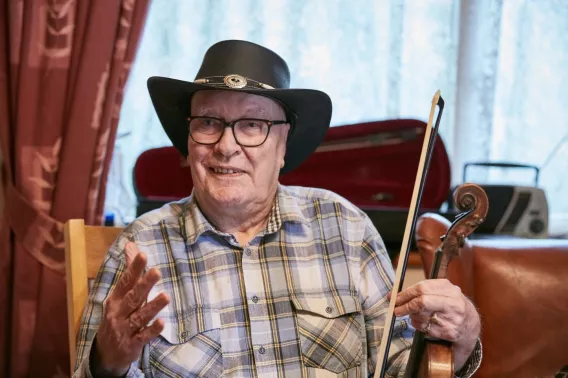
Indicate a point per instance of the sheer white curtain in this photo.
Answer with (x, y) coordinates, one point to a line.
(501, 66)
(512, 94)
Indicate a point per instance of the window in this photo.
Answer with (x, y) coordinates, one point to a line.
(502, 68)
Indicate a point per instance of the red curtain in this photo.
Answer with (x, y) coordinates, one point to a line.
(62, 73)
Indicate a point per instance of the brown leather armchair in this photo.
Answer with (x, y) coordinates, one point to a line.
(520, 288)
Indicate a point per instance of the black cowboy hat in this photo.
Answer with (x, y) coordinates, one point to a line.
(247, 67)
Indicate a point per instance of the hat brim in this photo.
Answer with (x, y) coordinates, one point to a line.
(312, 109)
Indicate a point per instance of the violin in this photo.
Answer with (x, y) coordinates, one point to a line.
(432, 357)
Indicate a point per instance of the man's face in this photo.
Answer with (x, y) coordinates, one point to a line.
(257, 168)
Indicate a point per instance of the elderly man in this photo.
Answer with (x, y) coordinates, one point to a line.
(246, 277)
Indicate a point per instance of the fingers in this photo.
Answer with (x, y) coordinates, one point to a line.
(421, 325)
(140, 318)
(445, 331)
(428, 296)
(138, 294)
(420, 318)
(436, 318)
(432, 286)
(149, 333)
(422, 304)
(130, 251)
(132, 273)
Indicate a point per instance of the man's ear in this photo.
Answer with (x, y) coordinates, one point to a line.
(286, 132)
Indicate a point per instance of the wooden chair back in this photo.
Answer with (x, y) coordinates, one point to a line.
(85, 249)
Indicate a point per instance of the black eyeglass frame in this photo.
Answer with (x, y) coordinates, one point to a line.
(231, 124)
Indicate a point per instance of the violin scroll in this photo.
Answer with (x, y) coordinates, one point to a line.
(472, 201)
(472, 198)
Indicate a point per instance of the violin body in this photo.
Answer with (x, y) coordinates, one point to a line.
(430, 358)
(437, 360)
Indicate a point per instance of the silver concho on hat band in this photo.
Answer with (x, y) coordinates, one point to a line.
(235, 81)
(232, 81)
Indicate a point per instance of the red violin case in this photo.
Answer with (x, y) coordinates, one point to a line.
(371, 164)
(374, 164)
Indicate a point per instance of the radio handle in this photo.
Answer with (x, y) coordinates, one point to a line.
(501, 165)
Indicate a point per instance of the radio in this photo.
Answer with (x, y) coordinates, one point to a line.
(520, 211)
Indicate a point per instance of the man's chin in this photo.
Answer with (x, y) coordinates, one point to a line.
(228, 196)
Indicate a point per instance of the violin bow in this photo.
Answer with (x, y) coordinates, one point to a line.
(425, 156)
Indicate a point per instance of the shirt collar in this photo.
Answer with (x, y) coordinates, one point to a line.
(289, 210)
(285, 209)
(194, 221)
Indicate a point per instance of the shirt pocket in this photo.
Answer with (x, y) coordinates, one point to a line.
(188, 346)
(330, 331)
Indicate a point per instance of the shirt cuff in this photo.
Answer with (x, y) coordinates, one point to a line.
(473, 362)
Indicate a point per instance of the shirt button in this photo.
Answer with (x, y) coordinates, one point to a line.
(247, 252)
(183, 335)
(329, 310)
(261, 350)
(255, 299)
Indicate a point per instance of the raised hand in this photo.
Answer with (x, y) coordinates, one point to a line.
(124, 329)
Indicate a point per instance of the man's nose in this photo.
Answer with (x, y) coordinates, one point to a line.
(227, 145)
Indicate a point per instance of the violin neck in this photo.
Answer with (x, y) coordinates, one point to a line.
(440, 265)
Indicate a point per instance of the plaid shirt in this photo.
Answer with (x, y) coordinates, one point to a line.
(305, 298)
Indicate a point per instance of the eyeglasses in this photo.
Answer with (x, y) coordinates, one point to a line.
(248, 132)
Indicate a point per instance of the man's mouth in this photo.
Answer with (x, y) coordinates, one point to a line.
(225, 171)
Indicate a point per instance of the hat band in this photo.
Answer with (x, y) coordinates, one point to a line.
(232, 81)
